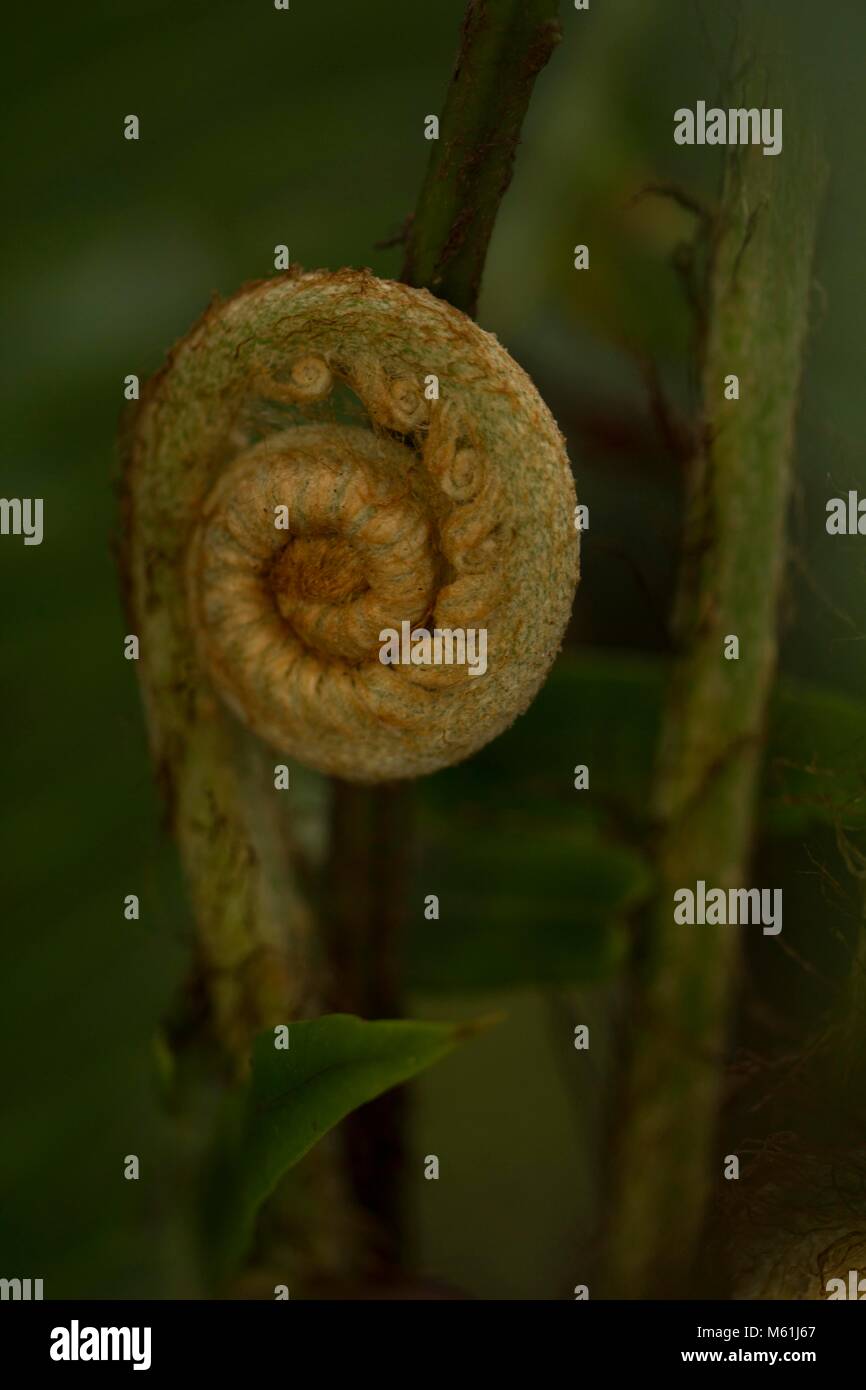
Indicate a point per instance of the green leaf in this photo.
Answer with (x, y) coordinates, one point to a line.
(294, 1096)
(603, 708)
(549, 911)
(535, 879)
(600, 708)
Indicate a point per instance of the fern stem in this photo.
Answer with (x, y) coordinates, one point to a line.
(504, 45)
(665, 1162)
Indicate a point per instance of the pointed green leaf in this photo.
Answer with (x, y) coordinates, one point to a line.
(295, 1095)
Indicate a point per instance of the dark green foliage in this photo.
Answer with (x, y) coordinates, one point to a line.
(294, 1096)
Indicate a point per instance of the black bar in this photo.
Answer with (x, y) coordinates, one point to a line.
(599, 1337)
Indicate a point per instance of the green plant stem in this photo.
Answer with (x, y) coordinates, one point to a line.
(365, 922)
(253, 927)
(665, 1158)
(504, 45)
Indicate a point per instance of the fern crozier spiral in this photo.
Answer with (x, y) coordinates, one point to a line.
(300, 493)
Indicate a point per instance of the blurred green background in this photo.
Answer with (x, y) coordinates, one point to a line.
(306, 127)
